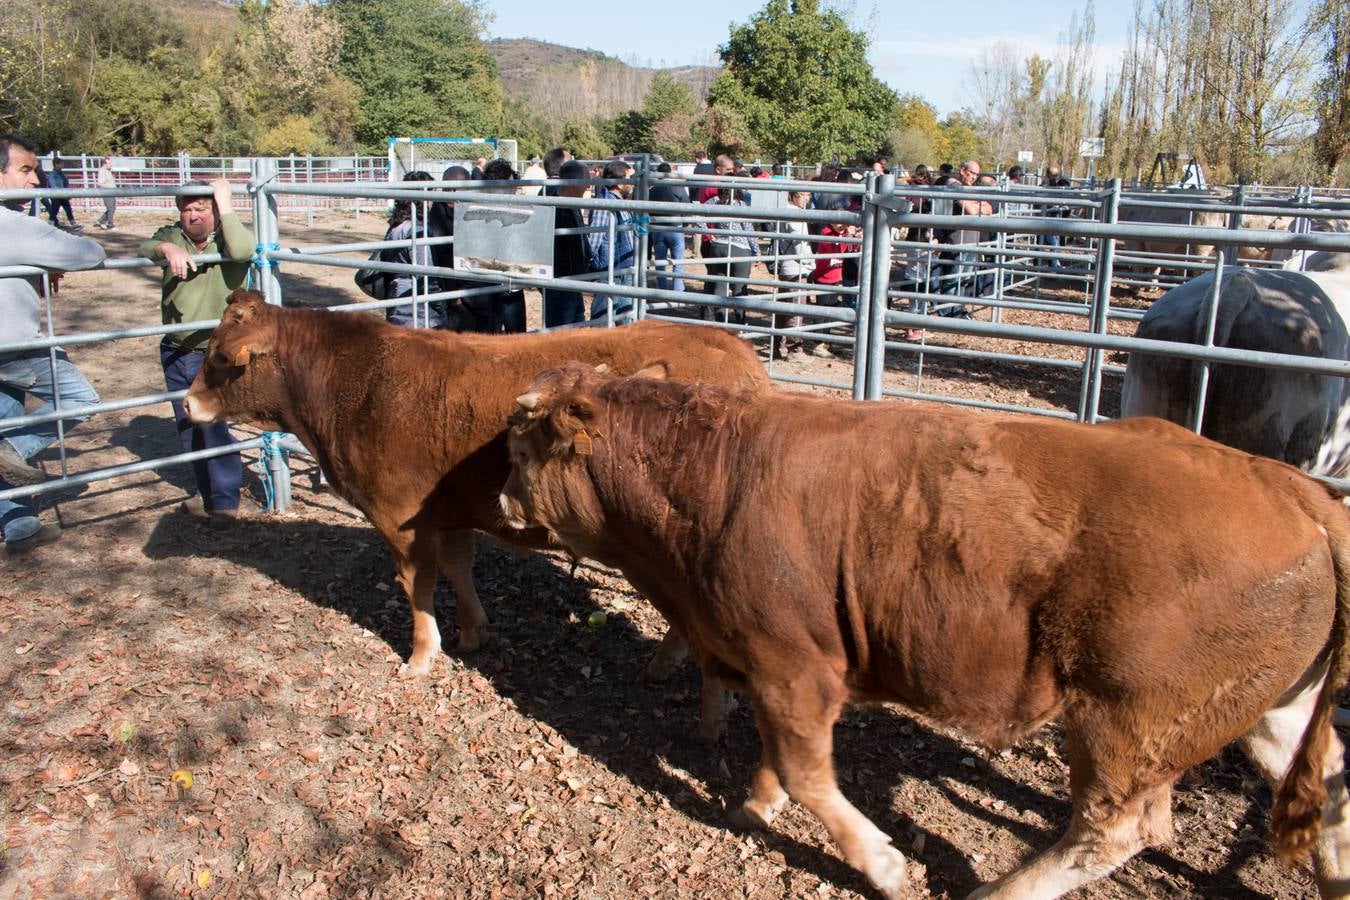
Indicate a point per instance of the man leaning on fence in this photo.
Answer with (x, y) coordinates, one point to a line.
(28, 241)
(195, 291)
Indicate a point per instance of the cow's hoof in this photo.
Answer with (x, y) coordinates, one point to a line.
(750, 816)
(887, 870)
(472, 638)
(659, 669)
(415, 668)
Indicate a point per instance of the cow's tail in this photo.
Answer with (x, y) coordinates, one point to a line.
(1296, 817)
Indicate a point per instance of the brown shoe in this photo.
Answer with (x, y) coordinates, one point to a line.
(15, 469)
(44, 535)
(194, 506)
(222, 519)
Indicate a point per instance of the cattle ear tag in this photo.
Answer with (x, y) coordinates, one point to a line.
(581, 442)
(243, 356)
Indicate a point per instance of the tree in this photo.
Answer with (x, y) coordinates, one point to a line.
(671, 112)
(584, 140)
(995, 85)
(801, 81)
(628, 132)
(1330, 23)
(960, 141)
(421, 67)
(914, 136)
(723, 129)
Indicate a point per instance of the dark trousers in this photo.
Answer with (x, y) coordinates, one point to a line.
(218, 478)
(54, 208)
(737, 265)
(563, 308)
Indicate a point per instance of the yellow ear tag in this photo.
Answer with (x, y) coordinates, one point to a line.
(581, 441)
(243, 356)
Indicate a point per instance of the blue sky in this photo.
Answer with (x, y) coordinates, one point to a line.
(914, 52)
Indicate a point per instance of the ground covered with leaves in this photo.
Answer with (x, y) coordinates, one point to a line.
(187, 712)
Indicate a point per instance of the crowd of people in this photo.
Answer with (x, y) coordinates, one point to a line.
(812, 264)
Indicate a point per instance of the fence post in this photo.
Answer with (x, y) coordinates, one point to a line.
(309, 200)
(861, 303)
(640, 233)
(881, 282)
(266, 233)
(1090, 398)
(1200, 380)
(267, 236)
(1235, 221)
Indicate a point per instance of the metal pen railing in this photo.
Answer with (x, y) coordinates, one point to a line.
(1006, 269)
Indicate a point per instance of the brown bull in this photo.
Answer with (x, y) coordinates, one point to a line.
(1161, 593)
(410, 425)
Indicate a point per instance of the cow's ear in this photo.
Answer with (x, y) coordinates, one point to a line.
(571, 425)
(238, 344)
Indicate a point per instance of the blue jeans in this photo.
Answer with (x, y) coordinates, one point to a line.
(623, 306)
(31, 373)
(563, 308)
(218, 478)
(1053, 242)
(667, 245)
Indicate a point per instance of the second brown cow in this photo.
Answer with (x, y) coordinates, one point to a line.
(1162, 593)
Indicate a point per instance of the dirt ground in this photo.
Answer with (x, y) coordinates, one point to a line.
(221, 715)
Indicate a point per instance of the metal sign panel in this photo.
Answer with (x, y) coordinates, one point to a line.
(1092, 147)
(508, 240)
(1025, 156)
(769, 199)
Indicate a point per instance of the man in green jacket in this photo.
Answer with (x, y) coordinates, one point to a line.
(191, 292)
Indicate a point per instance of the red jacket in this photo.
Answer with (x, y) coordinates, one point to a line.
(829, 269)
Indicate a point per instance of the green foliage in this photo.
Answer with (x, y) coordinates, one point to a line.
(584, 140)
(663, 124)
(628, 132)
(723, 129)
(914, 136)
(1330, 23)
(531, 132)
(421, 68)
(801, 81)
(668, 97)
(959, 139)
(293, 134)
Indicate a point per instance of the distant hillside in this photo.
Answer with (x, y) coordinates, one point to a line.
(567, 83)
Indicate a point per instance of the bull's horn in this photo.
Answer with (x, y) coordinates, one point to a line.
(530, 400)
(603, 367)
(243, 356)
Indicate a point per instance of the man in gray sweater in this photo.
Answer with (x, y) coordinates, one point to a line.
(27, 241)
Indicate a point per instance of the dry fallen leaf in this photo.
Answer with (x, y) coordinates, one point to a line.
(128, 768)
(204, 879)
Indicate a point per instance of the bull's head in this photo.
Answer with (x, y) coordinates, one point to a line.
(554, 430)
(239, 378)
(552, 425)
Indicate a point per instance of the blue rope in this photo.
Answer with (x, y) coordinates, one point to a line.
(259, 260)
(271, 446)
